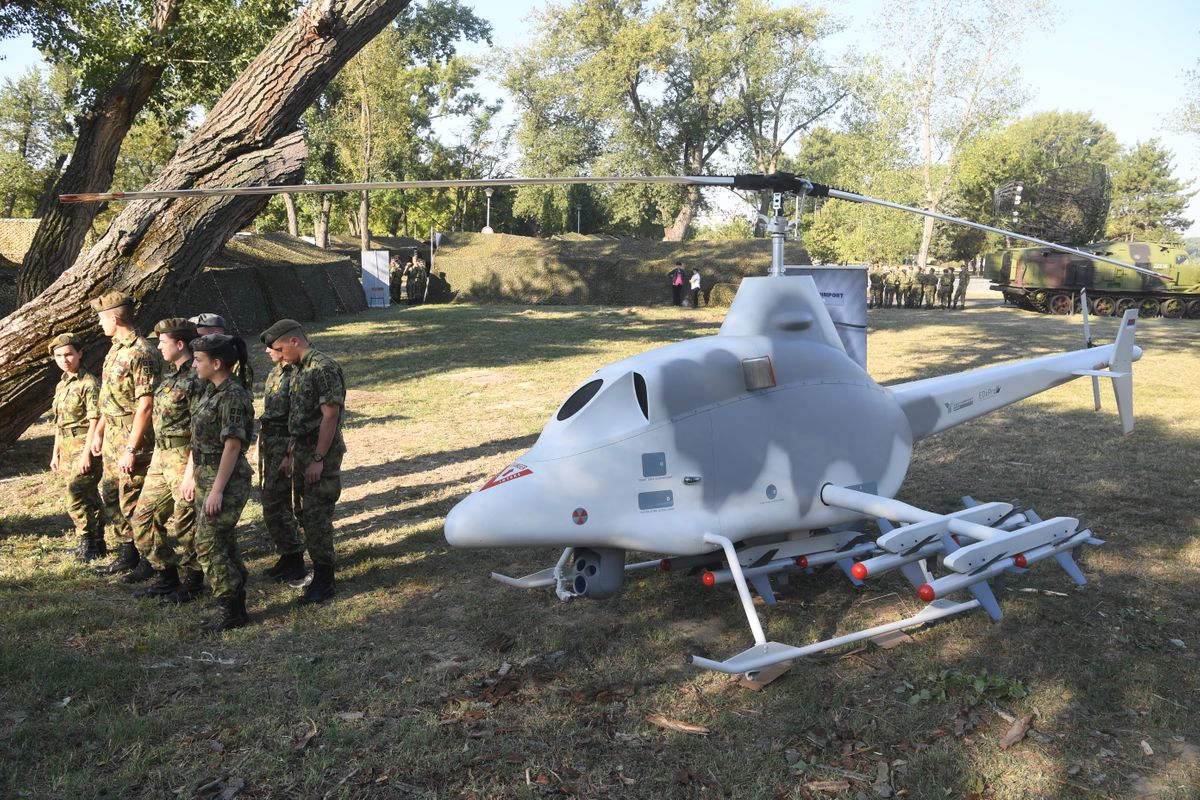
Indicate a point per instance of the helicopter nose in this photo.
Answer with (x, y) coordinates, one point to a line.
(499, 516)
(467, 523)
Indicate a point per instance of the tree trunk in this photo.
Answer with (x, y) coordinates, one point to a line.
(926, 238)
(289, 203)
(154, 248)
(364, 225)
(102, 128)
(677, 229)
(321, 222)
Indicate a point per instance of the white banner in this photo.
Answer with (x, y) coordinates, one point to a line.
(844, 290)
(376, 281)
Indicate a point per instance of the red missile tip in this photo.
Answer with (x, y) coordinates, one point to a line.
(708, 579)
(926, 593)
(859, 571)
(1020, 560)
(665, 565)
(802, 562)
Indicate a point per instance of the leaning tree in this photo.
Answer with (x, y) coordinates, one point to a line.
(154, 248)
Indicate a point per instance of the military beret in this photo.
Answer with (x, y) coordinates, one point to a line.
(176, 326)
(111, 300)
(279, 329)
(211, 342)
(208, 320)
(64, 339)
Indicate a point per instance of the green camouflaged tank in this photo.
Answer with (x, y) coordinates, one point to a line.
(1049, 282)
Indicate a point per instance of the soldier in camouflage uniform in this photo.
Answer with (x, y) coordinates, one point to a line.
(875, 276)
(125, 434)
(222, 430)
(960, 291)
(164, 524)
(891, 286)
(929, 284)
(317, 398)
(76, 416)
(273, 440)
(904, 297)
(945, 287)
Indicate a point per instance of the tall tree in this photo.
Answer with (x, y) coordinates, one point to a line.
(35, 136)
(1148, 200)
(154, 248)
(957, 78)
(128, 53)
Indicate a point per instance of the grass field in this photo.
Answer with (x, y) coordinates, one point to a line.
(426, 679)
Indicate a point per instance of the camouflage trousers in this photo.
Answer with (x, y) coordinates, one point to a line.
(930, 295)
(164, 524)
(120, 490)
(960, 296)
(314, 503)
(84, 505)
(944, 298)
(278, 515)
(216, 537)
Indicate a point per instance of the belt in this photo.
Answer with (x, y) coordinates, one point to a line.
(71, 430)
(171, 442)
(207, 459)
(270, 428)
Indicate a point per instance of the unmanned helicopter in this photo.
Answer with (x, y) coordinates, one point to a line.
(765, 450)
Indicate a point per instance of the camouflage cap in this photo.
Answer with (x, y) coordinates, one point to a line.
(111, 300)
(278, 330)
(64, 339)
(208, 320)
(176, 326)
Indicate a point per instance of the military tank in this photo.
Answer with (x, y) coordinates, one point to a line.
(1042, 280)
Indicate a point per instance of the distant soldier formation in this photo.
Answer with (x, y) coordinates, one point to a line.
(909, 287)
(156, 447)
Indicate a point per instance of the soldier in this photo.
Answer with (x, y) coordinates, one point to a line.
(314, 461)
(278, 515)
(125, 434)
(76, 416)
(960, 291)
(906, 288)
(945, 288)
(222, 429)
(164, 524)
(415, 279)
(208, 323)
(875, 276)
(891, 286)
(929, 285)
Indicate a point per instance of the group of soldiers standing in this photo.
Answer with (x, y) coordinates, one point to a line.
(909, 287)
(157, 447)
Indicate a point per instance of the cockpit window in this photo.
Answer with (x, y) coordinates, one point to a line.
(1181, 259)
(580, 399)
(639, 389)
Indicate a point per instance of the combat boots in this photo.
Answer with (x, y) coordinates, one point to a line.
(142, 572)
(321, 588)
(168, 582)
(289, 567)
(91, 546)
(187, 591)
(231, 614)
(127, 558)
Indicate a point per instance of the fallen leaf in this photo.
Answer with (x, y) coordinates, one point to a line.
(304, 734)
(66, 701)
(1146, 748)
(349, 716)
(499, 644)
(1017, 732)
(833, 787)
(676, 725)
(625, 779)
(682, 776)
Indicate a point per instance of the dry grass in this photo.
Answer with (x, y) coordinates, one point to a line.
(404, 678)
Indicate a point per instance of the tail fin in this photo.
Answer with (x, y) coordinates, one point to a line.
(1121, 365)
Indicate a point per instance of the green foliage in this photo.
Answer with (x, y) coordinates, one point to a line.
(36, 133)
(199, 44)
(938, 687)
(736, 228)
(1148, 201)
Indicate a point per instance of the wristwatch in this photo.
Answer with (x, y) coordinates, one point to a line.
(129, 449)
(318, 457)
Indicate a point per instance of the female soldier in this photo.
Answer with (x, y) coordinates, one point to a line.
(222, 430)
(76, 413)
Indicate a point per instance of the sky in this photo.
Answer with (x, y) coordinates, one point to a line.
(1124, 62)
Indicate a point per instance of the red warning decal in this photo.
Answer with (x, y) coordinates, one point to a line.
(509, 473)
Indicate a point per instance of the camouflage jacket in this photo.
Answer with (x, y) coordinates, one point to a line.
(181, 388)
(130, 372)
(964, 278)
(76, 399)
(316, 381)
(946, 281)
(276, 403)
(224, 411)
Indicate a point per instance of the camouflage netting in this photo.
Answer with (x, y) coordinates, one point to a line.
(517, 269)
(255, 280)
(15, 237)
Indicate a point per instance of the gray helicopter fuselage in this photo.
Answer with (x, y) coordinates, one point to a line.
(732, 434)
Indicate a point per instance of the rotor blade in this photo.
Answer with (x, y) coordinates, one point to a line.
(468, 183)
(861, 198)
